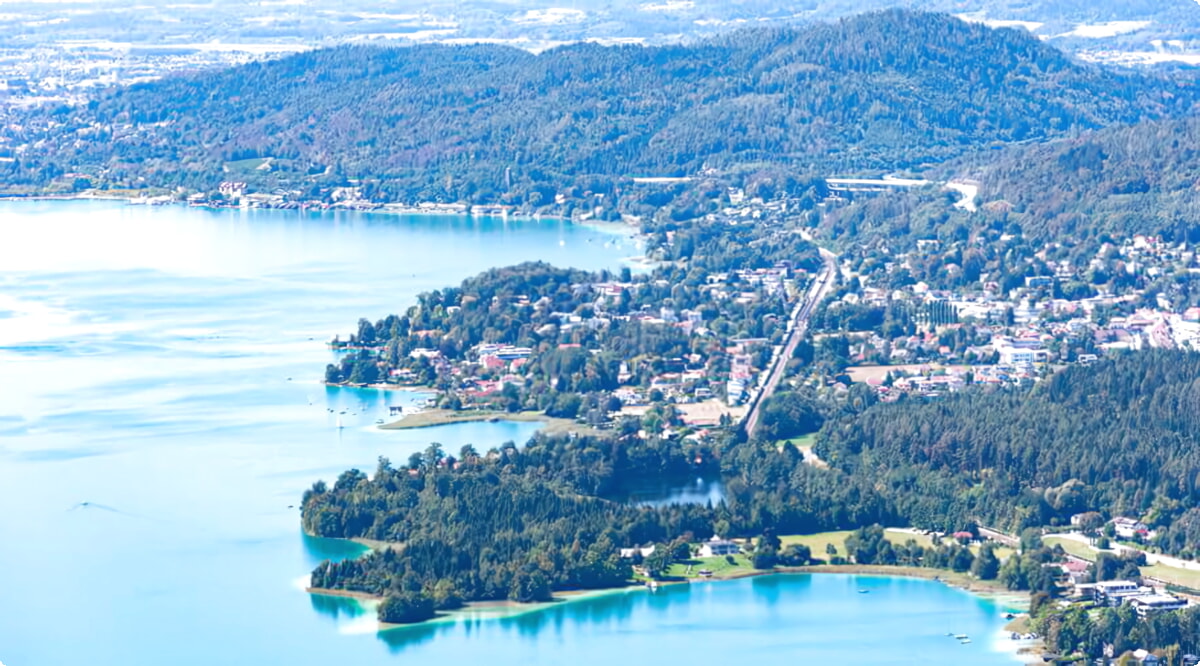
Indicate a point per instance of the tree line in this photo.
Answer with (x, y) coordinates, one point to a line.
(493, 124)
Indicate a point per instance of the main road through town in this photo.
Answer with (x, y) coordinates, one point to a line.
(816, 293)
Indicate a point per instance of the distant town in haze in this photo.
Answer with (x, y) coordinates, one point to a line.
(880, 291)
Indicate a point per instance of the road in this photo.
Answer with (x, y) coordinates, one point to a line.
(816, 293)
(1000, 537)
(1151, 558)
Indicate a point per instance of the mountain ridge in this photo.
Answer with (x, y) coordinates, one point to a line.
(492, 124)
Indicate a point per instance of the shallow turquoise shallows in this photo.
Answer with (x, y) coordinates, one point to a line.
(160, 416)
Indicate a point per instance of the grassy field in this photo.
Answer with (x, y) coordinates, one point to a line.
(741, 567)
(1183, 577)
(720, 567)
(247, 165)
(805, 445)
(818, 542)
(863, 373)
(1072, 547)
(437, 417)
(1002, 552)
(803, 442)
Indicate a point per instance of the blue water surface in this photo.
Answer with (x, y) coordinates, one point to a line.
(161, 415)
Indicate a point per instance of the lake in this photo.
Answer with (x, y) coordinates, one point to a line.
(160, 416)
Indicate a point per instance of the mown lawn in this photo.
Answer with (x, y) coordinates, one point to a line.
(1072, 547)
(720, 567)
(1184, 577)
(817, 542)
(246, 165)
(803, 442)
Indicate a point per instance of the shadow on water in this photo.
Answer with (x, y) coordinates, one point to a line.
(617, 607)
(605, 609)
(770, 589)
(320, 549)
(398, 639)
(337, 608)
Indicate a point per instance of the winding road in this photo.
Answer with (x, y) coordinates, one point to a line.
(816, 293)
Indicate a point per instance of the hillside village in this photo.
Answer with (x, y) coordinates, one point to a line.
(881, 326)
(994, 337)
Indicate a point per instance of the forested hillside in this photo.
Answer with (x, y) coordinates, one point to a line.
(1118, 438)
(1121, 438)
(1108, 184)
(520, 523)
(488, 124)
(1119, 181)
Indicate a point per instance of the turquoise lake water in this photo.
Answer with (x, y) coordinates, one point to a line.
(160, 417)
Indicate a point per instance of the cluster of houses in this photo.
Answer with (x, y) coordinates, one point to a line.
(1142, 599)
(1145, 658)
(1016, 353)
(1041, 321)
(714, 547)
(728, 374)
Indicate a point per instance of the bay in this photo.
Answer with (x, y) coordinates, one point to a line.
(160, 416)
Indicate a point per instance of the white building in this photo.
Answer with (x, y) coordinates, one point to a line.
(717, 546)
(1128, 528)
(1148, 604)
(628, 553)
(1019, 351)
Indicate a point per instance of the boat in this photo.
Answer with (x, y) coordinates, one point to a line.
(861, 591)
(378, 421)
(965, 641)
(962, 637)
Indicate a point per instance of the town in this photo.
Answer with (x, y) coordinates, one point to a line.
(875, 323)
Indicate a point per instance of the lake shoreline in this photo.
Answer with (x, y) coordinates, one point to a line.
(617, 228)
(411, 388)
(994, 593)
(494, 609)
(433, 418)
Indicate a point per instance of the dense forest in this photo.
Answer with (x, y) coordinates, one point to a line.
(489, 124)
(522, 522)
(1119, 438)
(506, 524)
(1106, 184)
(1116, 438)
